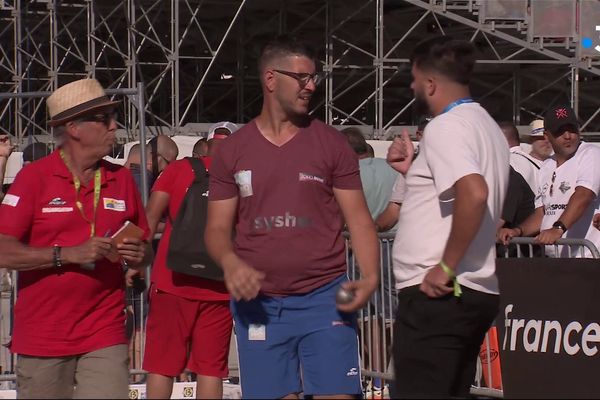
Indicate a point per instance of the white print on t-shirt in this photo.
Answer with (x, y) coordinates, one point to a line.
(243, 179)
(11, 200)
(303, 177)
(114, 204)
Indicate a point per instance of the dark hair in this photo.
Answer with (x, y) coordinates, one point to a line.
(510, 130)
(283, 46)
(452, 58)
(356, 140)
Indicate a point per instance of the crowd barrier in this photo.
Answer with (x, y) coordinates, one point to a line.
(375, 323)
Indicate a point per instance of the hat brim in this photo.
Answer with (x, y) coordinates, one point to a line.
(82, 109)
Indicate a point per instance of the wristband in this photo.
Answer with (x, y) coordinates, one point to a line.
(56, 256)
(452, 275)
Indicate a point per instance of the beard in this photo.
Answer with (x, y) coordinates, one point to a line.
(420, 106)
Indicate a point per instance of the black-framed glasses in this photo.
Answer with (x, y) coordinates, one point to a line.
(302, 77)
(103, 118)
(552, 183)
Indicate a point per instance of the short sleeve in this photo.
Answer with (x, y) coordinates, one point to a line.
(346, 173)
(398, 190)
(167, 179)
(588, 173)
(222, 180)
(18, 206)
(450, 153)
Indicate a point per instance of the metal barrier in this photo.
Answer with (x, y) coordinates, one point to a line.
(375, 322)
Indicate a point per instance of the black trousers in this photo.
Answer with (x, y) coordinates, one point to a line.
(437, 341)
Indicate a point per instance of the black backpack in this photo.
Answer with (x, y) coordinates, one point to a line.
(187, 252)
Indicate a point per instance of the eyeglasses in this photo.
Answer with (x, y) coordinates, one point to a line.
(552, 183)
(302, 77)
(103, 118)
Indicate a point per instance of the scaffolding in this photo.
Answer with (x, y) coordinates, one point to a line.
(196, 58)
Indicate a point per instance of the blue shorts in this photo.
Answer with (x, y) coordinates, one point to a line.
(297, 344)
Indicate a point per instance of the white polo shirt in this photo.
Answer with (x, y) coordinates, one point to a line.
(460, 142)
(583, 169)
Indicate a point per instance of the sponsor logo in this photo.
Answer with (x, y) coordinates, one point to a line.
(339, 323)
(545, 336)
(11, 200)
(564, 186)
(304, 177)
(281, 221)
(57, 201)
(188, 391)
(114, 204)
(352, 372)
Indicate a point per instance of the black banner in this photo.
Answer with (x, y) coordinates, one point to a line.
(549, 327)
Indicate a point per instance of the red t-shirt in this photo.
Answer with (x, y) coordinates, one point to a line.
(68, 310)
(175, 180)
(289, 223)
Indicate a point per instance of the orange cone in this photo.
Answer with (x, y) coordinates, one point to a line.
(490, 360)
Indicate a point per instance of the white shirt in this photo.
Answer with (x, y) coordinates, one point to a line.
(460, 142)
(525, 165)
(398, 190)
(583, 169)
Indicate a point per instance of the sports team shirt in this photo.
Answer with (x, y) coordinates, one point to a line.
(457, 143)
(175, 180)
(582, 169)
(289, 222)
(68, 310)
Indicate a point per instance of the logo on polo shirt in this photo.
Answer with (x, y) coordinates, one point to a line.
(564, 186)
(11, 200)
(352, 372)
(114, 204)
(57, 201)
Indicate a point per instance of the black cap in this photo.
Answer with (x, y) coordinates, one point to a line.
(35, 151)
(559, 116)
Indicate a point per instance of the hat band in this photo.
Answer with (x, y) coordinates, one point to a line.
(537, 130)
(81, 107)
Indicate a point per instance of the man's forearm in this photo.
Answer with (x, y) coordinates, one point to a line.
(20, 257)
(388, 218)
(220, 247)
(578, 203)
(365, 246)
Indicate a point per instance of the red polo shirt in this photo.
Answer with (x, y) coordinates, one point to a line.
(68, 310)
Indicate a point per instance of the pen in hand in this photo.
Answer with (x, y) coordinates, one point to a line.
(92, 265)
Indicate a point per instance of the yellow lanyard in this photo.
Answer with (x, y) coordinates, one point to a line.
(77, 184)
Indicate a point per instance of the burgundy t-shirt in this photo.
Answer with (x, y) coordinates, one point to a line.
(289, 223)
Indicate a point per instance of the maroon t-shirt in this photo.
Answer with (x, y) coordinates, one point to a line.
(289, 223)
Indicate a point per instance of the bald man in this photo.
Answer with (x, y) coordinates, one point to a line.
(160, 152)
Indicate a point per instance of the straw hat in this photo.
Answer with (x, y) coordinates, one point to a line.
(537, 128)
(75, 99)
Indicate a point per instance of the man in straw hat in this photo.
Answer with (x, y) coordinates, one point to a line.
(57, 219)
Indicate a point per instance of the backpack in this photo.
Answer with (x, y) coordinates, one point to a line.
(187, 252)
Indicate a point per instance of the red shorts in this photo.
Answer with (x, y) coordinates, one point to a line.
(176, 324)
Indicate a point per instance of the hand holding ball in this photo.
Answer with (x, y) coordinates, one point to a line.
(344, 296)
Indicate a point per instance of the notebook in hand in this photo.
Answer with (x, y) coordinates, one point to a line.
(127, 230)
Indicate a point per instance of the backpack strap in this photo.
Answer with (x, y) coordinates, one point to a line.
(198, 167)
(200, 173)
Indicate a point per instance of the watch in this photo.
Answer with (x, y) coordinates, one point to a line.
(56, 256)
(559, 225)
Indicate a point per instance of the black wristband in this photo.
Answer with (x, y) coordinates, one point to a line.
(559, 225)
(56, 257)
